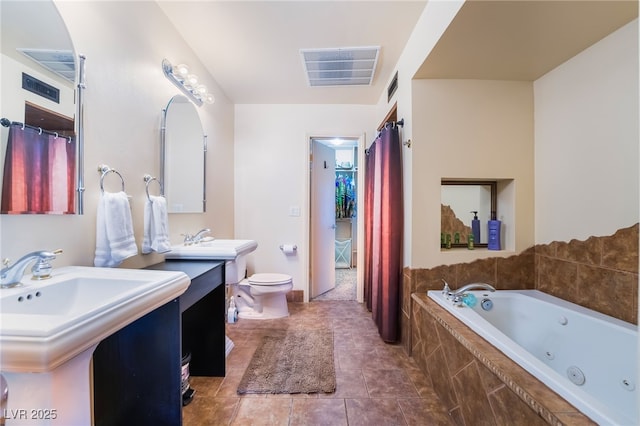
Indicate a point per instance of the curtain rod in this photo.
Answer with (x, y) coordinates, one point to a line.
(7, 123)
(392, 124)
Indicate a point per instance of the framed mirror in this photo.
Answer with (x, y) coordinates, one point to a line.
(183, 157)
(41, 144)
(459, 199)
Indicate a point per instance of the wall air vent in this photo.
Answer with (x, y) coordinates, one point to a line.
(393, 86)
(61, 62)
(347, 66)
(41, 88)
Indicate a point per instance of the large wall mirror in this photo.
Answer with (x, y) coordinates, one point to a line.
(183, 157)
(41, 139)
(458, 200)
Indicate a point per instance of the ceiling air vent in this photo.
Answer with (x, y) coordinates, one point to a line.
(61, 62)
(347, 66)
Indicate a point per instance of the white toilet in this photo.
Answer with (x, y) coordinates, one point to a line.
(261, 296)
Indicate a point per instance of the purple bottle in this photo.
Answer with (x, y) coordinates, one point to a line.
(494, 233)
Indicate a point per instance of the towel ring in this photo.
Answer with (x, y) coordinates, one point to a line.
(104, 169)
(148, 179)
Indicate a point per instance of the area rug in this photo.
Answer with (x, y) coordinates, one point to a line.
(295, 362)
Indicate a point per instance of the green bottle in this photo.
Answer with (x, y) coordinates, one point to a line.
(470, 239)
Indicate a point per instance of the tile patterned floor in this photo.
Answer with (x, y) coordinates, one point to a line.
(377, 384)
(345, 288)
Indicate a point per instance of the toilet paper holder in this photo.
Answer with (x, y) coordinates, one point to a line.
(288, 248)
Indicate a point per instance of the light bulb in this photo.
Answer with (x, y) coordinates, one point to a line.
(201, 88)
(191, 81)
(209, 99)
(181, 70)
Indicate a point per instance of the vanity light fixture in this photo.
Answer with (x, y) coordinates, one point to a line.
(187, 82)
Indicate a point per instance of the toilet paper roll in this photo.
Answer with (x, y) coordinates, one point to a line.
(288, 249)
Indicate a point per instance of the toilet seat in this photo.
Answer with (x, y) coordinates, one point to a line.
(268, 279)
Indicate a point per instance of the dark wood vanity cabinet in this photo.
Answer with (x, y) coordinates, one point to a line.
(203, 315)
(137, 370)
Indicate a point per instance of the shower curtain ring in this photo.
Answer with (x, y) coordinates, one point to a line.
(22, 126)
(39, 130)
(56, 135)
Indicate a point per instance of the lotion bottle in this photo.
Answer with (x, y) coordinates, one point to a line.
(494, 226)
(475, 227)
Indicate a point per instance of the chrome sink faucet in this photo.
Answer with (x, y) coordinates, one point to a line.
(10, 276)
(456, 296)
(195, 239)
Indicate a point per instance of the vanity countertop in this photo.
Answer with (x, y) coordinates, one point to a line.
(192, 268)
(205, 275)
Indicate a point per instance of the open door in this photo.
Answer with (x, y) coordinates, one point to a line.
(323, 222)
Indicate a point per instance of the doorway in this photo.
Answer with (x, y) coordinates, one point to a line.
(334, 218)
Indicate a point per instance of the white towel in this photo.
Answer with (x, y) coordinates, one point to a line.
(114, 230)
(156, 226)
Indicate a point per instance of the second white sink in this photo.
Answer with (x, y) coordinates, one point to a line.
(212, 250)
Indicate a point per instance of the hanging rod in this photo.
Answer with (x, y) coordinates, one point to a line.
(7, 123)
(392, 124)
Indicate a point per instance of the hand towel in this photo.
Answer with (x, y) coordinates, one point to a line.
(156, 226)
(114, 230)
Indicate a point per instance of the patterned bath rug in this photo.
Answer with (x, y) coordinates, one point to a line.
(295, 362)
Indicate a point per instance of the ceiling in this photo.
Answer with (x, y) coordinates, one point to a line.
(521, 40)
(252, 48)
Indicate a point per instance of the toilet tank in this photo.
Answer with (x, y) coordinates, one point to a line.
(235, 270)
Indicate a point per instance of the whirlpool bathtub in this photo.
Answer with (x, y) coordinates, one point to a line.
(588, 358)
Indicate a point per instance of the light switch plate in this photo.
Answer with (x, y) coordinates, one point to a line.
(294, 211)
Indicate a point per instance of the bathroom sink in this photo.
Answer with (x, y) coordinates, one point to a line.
(46, 323)
(212, 250)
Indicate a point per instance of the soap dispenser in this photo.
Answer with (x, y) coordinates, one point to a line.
(494, 233)
(475, 227)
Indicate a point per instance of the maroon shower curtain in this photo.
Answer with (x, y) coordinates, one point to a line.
(384, 214)
(39, 172)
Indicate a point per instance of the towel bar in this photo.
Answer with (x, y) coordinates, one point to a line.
(148, 179)
(104, 169)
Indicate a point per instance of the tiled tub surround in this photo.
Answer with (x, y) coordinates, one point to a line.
(477, 383)
(600, 273)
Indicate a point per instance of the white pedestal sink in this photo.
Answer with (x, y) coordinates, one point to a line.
(212, 250)
(49, 330)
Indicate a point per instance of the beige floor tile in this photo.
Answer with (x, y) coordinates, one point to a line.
(374, 411)
(263, 411)
(318, 412)
(389, 383)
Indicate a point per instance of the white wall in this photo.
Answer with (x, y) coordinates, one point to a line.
(272, 175)
(124, 43)
(586, 141)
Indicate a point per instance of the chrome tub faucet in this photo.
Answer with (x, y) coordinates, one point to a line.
(10, 276)
(457, 296)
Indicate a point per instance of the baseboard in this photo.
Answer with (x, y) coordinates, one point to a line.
(295, 296)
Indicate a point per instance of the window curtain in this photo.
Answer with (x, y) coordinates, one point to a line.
(384, 215)
(39, 172)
